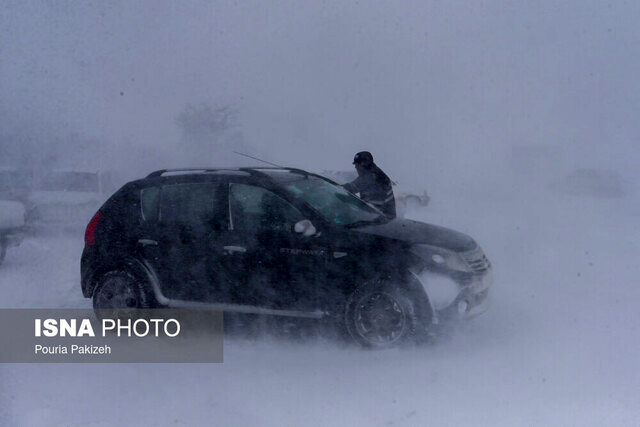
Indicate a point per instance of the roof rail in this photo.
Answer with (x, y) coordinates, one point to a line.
(260, 168)
(254, 170)
(156, 173)
(161, 172)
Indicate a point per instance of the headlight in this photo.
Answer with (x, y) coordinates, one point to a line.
(438, 259)
(440, 256)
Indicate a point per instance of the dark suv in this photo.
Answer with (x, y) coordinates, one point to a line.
(280, 242)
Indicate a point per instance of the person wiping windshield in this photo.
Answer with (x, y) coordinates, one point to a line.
(373, 185)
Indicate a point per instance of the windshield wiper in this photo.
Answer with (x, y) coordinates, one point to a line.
(379, 220)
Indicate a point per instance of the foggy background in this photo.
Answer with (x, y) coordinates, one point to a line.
(440, 92)
(520, 119)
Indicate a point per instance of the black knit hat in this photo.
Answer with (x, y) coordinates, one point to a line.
(363, 158)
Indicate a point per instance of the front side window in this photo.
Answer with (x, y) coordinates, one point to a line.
(254, 208)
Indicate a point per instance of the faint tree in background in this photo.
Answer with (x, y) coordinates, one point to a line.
(203, 124)
(211, 134)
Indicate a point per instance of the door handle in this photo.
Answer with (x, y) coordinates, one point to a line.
(232, 249)
(148, 242)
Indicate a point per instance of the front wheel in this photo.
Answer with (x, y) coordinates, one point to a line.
(380, 316)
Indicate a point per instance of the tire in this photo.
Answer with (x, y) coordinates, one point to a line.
(381, 315)
(119, 291)
(3, 250)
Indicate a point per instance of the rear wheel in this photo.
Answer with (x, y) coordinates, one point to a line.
(380, 315)
(120, 291)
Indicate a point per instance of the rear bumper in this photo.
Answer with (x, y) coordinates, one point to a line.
(87, 272)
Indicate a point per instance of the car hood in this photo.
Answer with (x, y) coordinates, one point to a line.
(415, 232)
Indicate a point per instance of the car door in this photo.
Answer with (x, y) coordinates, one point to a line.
(176, 237)
(276, 264)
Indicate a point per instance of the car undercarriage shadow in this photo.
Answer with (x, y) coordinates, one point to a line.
(252, 327)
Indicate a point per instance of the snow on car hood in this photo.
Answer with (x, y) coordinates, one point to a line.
(11, 214)
(419, 232)
(64, 197)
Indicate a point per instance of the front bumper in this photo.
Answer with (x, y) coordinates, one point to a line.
(472, 298)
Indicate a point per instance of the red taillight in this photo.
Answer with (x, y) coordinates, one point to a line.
(90, 232)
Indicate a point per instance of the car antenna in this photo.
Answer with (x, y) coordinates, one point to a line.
(260, 160)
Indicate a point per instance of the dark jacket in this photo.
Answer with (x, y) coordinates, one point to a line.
(374, 187)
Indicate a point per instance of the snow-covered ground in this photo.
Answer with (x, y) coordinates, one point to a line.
(560, 344)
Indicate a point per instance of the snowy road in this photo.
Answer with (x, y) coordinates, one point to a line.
(560, 344)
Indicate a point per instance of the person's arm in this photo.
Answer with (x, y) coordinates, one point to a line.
(354, 186)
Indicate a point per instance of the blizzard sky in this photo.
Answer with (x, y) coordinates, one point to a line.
(438, 91)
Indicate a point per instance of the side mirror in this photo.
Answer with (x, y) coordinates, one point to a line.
(305, 227)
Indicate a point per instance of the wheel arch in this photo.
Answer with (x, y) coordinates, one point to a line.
(139, 268)
(406, 281)
(410, 284)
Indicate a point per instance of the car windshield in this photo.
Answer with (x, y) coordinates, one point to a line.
(333, 202)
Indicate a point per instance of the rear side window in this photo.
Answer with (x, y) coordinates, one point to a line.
(188, 203)
(150, 199)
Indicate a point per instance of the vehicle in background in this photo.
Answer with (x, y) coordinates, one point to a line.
(279, 242)
(66, 198)
(596, 183)
(406, 197)
(15, 184)
(12, 220)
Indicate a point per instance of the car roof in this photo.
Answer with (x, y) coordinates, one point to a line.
(275, 175)
(263, 172)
